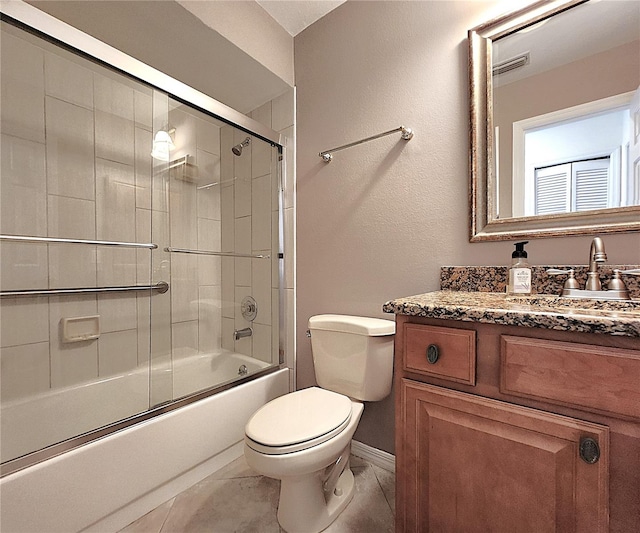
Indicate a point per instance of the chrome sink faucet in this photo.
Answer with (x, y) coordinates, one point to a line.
(596, 255)
(616, 290)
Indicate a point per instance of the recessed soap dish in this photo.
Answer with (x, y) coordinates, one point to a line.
(80, 328)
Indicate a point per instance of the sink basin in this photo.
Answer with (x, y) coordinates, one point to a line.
(610, 308)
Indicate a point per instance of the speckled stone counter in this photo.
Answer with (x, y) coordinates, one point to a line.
(494, 278)
(539, 311)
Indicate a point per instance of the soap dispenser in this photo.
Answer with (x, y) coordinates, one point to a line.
(520, 271)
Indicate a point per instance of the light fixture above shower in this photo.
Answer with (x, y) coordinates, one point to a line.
(237, 149)
(163, 144)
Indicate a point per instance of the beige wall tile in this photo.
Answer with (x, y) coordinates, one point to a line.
(262, 342)
(185, 135)
(113, 96)
(209, 270)
(184, 339)
(70, 150)
(143, 109)
(242, 196)
(116, 266)
(227, 217)
(260, 158)
(208, 136)
(25, 370)
(117, 352)
(22, 89)
(23, 266)
(68, 81)
(115, 201)
(114, 138)
(71, 218)
(72, 265)
(208, 173)
(261, 288)
(209, 319)
(209, 234)
(228, 327)
(183, 219)
(184, 287)
(143, 320)
(24, 321)
(23, 202)
(261, 213)
(243, 246)
(143, 167)
(228, 287)
(143, 257)
(118, 312)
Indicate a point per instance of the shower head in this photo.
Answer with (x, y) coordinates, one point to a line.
(237, 149)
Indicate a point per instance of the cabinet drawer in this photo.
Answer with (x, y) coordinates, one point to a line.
(579, 375)
(454, 351)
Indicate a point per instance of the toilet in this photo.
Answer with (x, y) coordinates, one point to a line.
(304, 438)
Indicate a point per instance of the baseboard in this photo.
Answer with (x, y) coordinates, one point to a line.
(373, 455)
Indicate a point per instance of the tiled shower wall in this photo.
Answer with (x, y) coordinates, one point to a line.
(250, 226)
(75, 164)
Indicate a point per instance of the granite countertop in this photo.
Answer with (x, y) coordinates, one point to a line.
(536, 311)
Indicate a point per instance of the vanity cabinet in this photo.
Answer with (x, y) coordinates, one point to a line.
(505, 429)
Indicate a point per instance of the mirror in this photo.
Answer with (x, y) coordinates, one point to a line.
(555, 120)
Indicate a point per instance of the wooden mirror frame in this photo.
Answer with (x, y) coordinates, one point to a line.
(483, 224)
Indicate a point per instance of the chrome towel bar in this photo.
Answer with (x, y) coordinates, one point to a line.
(160, 287)
(207, 252)
(407, 134)
(55, 240)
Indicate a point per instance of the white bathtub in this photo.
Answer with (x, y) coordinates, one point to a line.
(106, 484)
(32, 423)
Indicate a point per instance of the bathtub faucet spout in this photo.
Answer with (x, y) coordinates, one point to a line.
(244, 332)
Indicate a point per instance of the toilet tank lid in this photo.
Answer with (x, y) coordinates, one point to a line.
(359, 325)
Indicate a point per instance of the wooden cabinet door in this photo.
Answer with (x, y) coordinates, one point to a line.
(471, 464)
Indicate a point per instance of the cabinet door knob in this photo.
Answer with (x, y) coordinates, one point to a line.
(589, 450)
(433, 353)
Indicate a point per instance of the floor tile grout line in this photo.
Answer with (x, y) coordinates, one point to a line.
(384, 493)
(168, 514)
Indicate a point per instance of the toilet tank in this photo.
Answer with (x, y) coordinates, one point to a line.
(353, 355)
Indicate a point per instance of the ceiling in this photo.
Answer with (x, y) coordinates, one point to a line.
(295, 15)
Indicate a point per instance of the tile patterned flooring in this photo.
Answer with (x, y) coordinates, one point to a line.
(236, 499)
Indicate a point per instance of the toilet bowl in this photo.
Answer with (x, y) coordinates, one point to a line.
(304, 438)
(310, 499)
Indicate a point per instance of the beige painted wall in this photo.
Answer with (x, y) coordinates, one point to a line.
(379, 221)
(217, 55)
(251, 29)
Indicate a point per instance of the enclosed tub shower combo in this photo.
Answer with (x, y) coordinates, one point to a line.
(141, 249)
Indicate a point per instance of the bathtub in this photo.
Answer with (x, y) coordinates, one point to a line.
(32, 423)
(108, 483)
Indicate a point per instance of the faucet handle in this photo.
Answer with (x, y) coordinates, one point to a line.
(571, 282)
(632, 272)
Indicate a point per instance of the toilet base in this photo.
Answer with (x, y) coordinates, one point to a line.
(303, 506)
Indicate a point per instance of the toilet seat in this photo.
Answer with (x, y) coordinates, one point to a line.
(298, 421)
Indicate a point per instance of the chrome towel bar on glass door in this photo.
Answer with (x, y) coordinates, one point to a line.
(207, 252)
(55, 240)
(407, 134)
(160, 287)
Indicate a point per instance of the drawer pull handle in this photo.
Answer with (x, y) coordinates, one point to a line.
(589, 450)
(433, 353)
